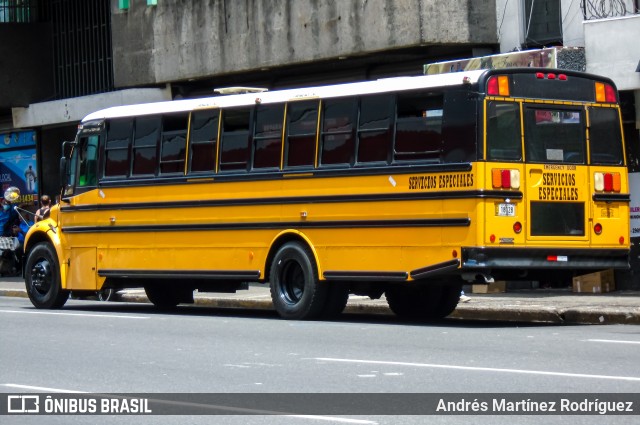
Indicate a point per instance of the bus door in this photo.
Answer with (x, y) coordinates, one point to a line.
(78, 214)
(556, 180)
(607, 174)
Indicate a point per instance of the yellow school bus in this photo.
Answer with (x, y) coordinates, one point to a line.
(406, 187)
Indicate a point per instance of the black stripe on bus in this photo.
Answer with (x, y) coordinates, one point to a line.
(437, 222)
(179, 274)
(484, 194)
(366, 276)
(304, 173)
(435, 269)
(611, 197)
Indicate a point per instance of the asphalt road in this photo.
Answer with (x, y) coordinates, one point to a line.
(131, 348)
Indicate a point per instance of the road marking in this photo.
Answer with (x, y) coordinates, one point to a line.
(238, 410)
(480, 369)
(74, 314)
(613, 341)
(44, 389)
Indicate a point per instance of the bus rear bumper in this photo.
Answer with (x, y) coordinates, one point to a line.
(483, 259)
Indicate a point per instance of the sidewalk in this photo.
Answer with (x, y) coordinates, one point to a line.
(539, 305)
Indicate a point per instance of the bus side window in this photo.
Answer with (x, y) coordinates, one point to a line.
(374, 128)
(145, 145)
(234, 146)
(174, 143)
(338, 137)
(117, 148)
(503, 131)
(203, 139)
(419, 128)
(88, 161)
(302, 126)
(267, 138)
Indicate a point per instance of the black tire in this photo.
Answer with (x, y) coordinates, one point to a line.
(426, 302)
(296, 291)
(337, 297)
(42, 278)
(167, 296)
(449, 297)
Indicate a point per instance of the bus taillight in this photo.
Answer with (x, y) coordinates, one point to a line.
(607, 182)
(597, 229)
(605, 93)
(505, 179)
(498, 85)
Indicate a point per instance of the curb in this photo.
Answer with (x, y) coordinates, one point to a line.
(553, 315)
(20, 293)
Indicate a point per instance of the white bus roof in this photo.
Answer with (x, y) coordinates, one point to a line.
(278, 96)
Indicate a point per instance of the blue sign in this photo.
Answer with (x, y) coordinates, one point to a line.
(18, 165)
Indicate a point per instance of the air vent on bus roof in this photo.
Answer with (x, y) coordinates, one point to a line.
(239, 90)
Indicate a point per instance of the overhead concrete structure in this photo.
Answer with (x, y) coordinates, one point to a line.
(195, 39)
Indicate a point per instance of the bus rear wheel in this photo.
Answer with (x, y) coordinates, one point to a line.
(296, 291)
(42, 278)
(167, 296)
(426, 302)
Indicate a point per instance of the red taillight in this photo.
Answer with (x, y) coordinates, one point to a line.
(492, 238)
(492, 86)
(562, 77)
(609, 94)
(517, 227)
(551, 76)
(621, 240)
(597, 229)
(506, 178)
(454, 253)
(608, 182)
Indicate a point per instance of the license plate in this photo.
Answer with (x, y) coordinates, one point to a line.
(506, 210)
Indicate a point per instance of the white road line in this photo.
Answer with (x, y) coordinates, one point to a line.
(481, 369)
(238, 410)
(613, 341)
(74, 314)
(43, 389)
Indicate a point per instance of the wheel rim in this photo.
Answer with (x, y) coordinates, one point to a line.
(292, 282)
(106, 294)
(41, 276)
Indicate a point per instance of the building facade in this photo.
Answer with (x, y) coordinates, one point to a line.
(63, 59)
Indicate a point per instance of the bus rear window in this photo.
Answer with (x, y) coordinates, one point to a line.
(605, 141)
(503, 131)
(554, 135)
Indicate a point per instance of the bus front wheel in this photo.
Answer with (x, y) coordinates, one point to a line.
(42, 278)
(296, 291)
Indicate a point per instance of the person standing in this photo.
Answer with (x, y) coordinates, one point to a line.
(44, 210)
